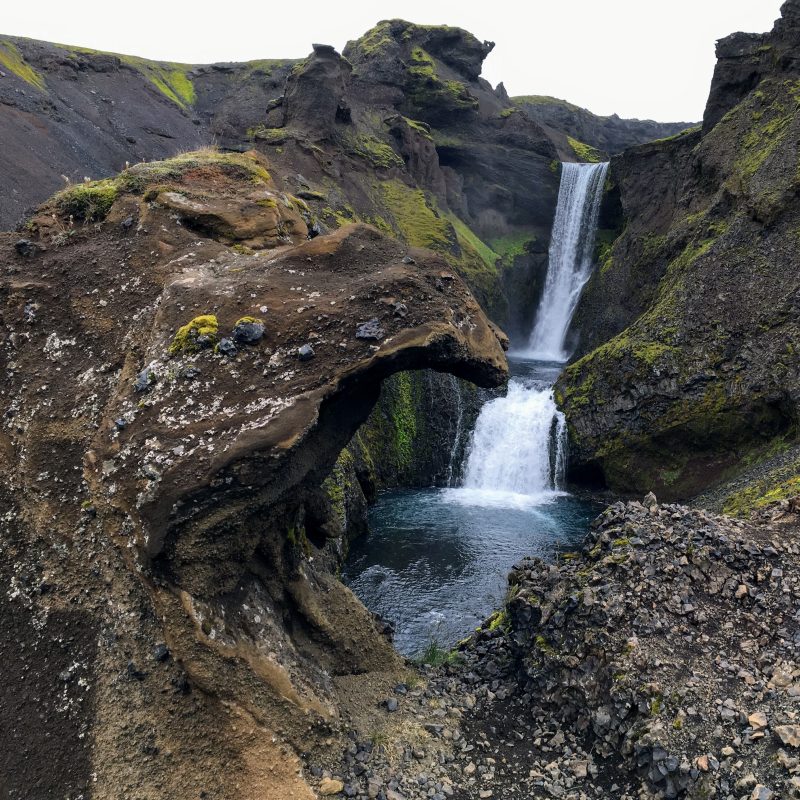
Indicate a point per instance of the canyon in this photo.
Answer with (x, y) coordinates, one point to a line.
(240, 301)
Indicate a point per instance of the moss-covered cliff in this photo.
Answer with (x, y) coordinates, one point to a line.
(689, 328)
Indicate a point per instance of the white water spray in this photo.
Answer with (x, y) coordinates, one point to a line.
(517, 454)
(570, 258)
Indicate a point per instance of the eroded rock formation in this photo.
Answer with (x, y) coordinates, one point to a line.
(173, 400)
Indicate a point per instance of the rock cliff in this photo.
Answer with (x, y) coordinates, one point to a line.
(183, 366)
(688, 370)
(571, 126)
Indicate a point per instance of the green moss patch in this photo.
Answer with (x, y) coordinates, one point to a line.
(185, 340)
(417, 217)
(11, 60)
(89, 202)
(585, 152)
(377, 153)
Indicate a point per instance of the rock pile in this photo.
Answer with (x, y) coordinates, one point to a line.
(660, 661)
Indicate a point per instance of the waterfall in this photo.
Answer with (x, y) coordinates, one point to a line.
(570, 258)
(517, 453)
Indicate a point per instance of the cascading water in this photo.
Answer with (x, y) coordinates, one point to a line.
(516, 456)
(517, 452)
(570, 258)
(436, 560)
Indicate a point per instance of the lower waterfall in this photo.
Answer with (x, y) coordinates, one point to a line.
(517, 453)
(436, 560)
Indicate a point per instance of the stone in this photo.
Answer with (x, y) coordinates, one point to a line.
(248, 331)
(788, 734)
(761, 792)
(161, 652)
(580, 769)
(144, 380)
(757, 720)
(305, 352)
(370, 330)
(226, 347)
(25, 247)
(650, 502)
(329, 786)
(391, 704)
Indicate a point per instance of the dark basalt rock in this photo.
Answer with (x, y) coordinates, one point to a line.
(686, 330)
(370, 330)
(248, 332)
(315, 99)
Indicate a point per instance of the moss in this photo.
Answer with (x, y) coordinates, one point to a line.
(377, 153)
(498, 620)
(170, 78)
(544, 646)
(420, 127)
(656, 705)
(92, 201)
(87, 201)
(512, 245)
(417, 217)
(337, 485)
(761, 494)
(376, 40)
(437, 656)
(604, 242)
(160, 175)
(679, 135)
(427, 90)
(467, 238)
(507, 112)
(248, 321)
(185, 340)
(584, 152)
(11, 59)
(405, 419)
(543, 100)
(445, 140)
(620, 542)
(554, 166)
(340, 217)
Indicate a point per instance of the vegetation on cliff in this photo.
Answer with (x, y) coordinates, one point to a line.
(703, 380)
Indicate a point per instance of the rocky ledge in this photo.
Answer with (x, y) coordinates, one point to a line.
(660, 661)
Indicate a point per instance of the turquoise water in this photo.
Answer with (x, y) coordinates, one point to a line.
(435, 564)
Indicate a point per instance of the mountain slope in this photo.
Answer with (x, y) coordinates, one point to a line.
(690, 326)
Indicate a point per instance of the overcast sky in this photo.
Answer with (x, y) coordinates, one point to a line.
(638, 58)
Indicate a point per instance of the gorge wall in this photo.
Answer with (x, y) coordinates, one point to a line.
(183, 368)
(688, 330)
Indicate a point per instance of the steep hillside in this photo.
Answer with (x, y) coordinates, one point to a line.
(570, 126)
(404, 134)
(68, 112)
(690, 327)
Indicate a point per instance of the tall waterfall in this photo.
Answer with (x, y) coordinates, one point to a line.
(517, 454)
(570, 257)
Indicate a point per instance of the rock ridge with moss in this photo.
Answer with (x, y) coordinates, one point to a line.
(686, 371)
(171, 624)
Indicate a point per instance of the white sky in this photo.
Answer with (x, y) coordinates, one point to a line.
(638, 58)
